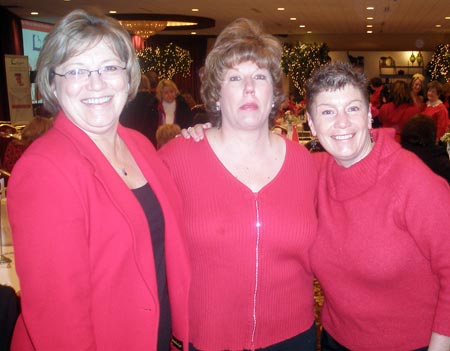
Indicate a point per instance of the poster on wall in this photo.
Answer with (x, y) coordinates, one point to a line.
(19, 92)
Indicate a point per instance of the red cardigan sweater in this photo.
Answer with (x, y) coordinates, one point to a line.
(83, 248)
(382, 253)
(251, 281)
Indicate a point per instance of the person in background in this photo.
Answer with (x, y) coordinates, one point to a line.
(171, 106)
(250, 228)
(382, 251)
(446, 96)
(141, 113)
(419, 136)
(95, 217)
(379, 94)
(399, 110)
(189, 99)
(33, 130)
(417, 85)
(165, 133)
(435, 109)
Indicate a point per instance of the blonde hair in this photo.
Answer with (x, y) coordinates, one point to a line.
(165, 83)
(166, 132)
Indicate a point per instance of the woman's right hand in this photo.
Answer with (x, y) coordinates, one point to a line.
(196, 132)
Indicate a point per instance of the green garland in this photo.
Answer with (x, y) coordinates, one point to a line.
(165, 61)
(300, 60)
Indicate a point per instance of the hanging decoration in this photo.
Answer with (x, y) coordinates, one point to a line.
(166, 61)
(300, 60)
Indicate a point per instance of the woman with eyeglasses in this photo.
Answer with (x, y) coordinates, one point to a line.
(93, 211)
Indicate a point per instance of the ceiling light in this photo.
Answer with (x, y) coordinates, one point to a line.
(34, 13)
(438, 26)
(195, 10)
(369, 18)
(302, 26)
(281, 9)
(193, 33)
(369, 32)
(293, 19)
(144, 29)
(370, 8)
(309, 32)
(146, 25)
(369, 25)
(447, 17)
(113, 11)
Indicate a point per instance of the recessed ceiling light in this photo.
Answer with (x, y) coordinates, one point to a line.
(369, 18)
(370, 8)
(293, 19)
(195, 10)
(309, 32)
(369, 25)
(438, 26)
(281, 9)
(369, 32)
(34, 13)
(447, 17)
(112, 11)
(302, 26)
(193, 33)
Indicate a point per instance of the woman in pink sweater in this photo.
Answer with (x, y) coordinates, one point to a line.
(249, 198)
(382, 248)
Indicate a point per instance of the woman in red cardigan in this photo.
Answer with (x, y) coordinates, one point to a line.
(94, 214)
(249, 198)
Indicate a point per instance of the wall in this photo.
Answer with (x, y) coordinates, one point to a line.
(372, 58)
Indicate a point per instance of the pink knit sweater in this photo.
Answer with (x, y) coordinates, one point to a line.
(251, 281)
(382, 253)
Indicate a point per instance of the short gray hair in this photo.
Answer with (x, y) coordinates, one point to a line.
(75, 33)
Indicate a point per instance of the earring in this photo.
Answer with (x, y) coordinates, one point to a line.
(273, 105)
(217, 106)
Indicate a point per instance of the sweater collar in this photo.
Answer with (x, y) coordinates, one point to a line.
(346, 183)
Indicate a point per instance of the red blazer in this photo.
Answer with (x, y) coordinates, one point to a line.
(83, 248)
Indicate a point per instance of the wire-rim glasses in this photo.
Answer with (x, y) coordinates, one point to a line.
(81, 74)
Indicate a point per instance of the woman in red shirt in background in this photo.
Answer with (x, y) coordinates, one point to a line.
(400, 110)
(436, 109)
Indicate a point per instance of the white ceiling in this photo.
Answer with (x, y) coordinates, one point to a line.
(414, 18)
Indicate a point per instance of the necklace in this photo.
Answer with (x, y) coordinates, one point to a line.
(124, 171)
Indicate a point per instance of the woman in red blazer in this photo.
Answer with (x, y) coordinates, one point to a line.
(94, 212)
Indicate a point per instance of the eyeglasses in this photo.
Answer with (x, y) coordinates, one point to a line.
(81, 74)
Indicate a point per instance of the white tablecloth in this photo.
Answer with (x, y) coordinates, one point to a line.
(8, 275)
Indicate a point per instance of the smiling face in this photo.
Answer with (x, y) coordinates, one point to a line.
(342, 122)
(417, 86)
(168, 94)
(432, 95)
(246, 97)
(93, 105)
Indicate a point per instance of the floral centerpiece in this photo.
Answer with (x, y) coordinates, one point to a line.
(294, 113)
(446, 140)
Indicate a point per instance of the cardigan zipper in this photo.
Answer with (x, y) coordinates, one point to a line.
(255, 292)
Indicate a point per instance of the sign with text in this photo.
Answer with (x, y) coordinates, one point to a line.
(19, 92)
